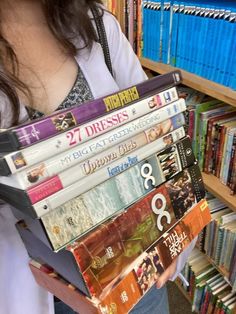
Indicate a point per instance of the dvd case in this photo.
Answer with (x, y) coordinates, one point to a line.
(82, 170)
(86, 165)
(21, 200)
(158, 256)
(131, 120)
(59, 227)
(25, 135)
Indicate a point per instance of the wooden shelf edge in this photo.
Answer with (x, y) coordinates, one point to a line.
(210, 88)
(214, 186)
(221, 270)
(183, 291)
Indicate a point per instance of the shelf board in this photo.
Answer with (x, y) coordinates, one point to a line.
(186, 295)
(203, 85)
(214, 186)
(221, 270)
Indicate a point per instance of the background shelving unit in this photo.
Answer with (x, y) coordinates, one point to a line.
(205, 86)
(215, 90)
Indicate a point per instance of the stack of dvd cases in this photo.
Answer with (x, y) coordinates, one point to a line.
(108, 193)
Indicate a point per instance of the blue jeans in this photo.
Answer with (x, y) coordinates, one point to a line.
(155, 301)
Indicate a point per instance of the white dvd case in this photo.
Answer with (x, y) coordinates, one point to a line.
(43, 150)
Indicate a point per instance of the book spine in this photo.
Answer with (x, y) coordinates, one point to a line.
(72, 191)
(94, 210)
(76, 136)
(89, 167)
(59, 122)
(231, 164)
(160, 255)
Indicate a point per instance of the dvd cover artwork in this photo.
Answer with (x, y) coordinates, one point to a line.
(30, 133)
(115, 194)
(109, 130)
(151, 264)
(59, 165)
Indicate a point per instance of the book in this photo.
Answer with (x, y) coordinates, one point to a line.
(84, 213)
(30, 133)
(19, 160)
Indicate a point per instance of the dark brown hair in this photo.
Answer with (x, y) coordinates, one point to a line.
(67, 19)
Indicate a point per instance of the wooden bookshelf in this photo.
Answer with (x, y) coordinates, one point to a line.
(215, 90)
(203, 85)
(186, 295)
(214, 186)
(221, 270)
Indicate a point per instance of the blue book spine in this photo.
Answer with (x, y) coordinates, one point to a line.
(199, 25)
(228, 65)
(216, 54)
(157, 14)
(196, 28)
(231, 82)
(209, 44)
(190, 43)
(145, 27)
(224, 48)
(203, 41)
(166, 31)
(174, 33)
(184, 37)
(212, 41)
(161, 31)
(149, 29)
(179, 48)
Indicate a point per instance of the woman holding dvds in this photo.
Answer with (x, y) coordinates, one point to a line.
(51, 59)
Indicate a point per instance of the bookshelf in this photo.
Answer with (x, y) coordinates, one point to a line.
(215, 90)
(205, 86)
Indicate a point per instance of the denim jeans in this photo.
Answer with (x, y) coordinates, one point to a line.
(155, 301)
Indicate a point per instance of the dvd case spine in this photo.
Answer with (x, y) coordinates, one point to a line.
(144, 269)
(85, 212)
(156, 259)
(90, 167)
(88, 163)
(30, 133)
(104, 254)
(80, 187)
(144, 110)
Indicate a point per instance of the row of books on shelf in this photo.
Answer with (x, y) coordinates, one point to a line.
(218, 240)
(195, 36)
(208, 289)
(115, 200)
(212, 129)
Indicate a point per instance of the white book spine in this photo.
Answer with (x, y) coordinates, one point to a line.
(77, 188)
(43, 150)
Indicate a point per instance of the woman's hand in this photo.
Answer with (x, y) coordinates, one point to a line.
(168, 273)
